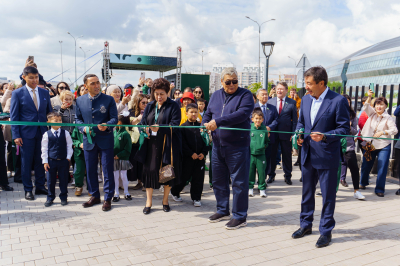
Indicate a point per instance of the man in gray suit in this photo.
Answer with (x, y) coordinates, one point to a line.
(287, 121)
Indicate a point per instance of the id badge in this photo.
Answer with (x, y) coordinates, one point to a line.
(153, 133)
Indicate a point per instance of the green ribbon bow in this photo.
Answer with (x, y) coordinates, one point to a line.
(90, 134)
(205, 137)
(296, 137)
(142, 137)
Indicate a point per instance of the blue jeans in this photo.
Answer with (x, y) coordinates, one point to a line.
(234, 163)
(383, 163)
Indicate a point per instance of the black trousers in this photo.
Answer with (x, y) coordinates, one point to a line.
(60, 167)
(3, 168)
(286, 148)
(194, 169)
(351, 161)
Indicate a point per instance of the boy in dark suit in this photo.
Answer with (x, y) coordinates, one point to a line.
(56, 155)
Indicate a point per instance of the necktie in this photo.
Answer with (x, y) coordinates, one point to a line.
(280, 106)
(35, 99)
(56, 133)
(263, 109)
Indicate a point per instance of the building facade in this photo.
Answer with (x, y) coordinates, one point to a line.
(218, 67)
(250, 75)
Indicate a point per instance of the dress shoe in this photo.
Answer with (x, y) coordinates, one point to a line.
(146, 210)
(64, 202)
(398, 192)
(288, 181)
(301, 179)
(344, 183)
(29, 195)
(301, 232)
(128, 197)
(106, 205)
(116, 199)
(92, 201)
(41, 191)
(323, 241)
(380, 194)
(296, 164)
(166, 208)
(48, 203)
(270, 180)
(7, 188)
(235, 224)
(362, 187)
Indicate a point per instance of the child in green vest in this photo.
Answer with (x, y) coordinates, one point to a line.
(122, 151)
(79, 174)
(258, 144)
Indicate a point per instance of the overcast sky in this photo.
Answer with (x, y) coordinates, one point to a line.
(326, 31)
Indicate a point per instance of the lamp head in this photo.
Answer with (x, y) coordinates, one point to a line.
(68, 32)
(268, 44)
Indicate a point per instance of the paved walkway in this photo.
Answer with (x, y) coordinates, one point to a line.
(366, 233)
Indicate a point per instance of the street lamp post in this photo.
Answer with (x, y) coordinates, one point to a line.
(75, 52)
(267, 55)
(62, 71)
(201, 59)
(295, 82)
(84, 56)
(259, 41)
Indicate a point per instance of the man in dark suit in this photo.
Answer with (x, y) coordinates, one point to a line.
(270, 121)
(287, 121)
(322, 114)
(99, 109)
(31, 104)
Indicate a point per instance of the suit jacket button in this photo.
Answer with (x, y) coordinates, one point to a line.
(92, 108)
(92, 116)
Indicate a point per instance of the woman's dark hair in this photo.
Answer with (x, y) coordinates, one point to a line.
(318, 73)
(380, 100)
(160, 84)
(136, 104)
(62, 82)
(78, 91)
(188, 89)
(257, 111)
(173, 95)
(125, 120)
(351, 111)
(191, 106)
(202, 92)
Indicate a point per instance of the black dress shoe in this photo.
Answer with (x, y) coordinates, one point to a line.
(115, 199)
(48, 203)
(270, 180)
(380, 194)
(363, 187)
(146, 210)
(29, 195)
(41, 192)
(323, 241)
(288, 181)
(296, 164)
(166, 208)
(64, 202)
(128, 197)
(398, 192)
(301, 232)
(301, 179)
(344, 183)
(7, 188)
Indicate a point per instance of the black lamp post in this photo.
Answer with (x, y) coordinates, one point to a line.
(267, 55)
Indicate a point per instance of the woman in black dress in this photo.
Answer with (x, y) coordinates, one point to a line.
(161, 112)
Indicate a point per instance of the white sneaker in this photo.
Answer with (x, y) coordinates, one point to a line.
(359, 196)
(178, 199)
(73, 182)
(161, 188)
(99, 178)
(263, 194)
(251, 193)
(197, 203)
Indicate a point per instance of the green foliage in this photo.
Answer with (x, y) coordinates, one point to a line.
(254, 87)
(336, 84)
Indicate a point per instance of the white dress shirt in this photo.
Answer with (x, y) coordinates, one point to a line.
(45, 145)
(278, 102)
(31, 94)
(316, 104)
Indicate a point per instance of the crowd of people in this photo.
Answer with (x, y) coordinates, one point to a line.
(168, 149)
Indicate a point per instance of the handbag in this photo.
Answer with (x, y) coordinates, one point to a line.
(167, 172)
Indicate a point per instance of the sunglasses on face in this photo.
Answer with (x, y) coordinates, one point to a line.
(229, 82)
(62, 88)
(177, 93)
(143, 103)
(197, 92)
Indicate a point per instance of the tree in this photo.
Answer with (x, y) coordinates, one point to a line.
(334, 84)
(254, 87)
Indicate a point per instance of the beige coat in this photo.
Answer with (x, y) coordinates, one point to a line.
(6, 96)
(377, 123)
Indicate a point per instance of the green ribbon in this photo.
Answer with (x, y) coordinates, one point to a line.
(88, 135)
(296, 137)
(26, 123)
(205, 137)
(142, 137)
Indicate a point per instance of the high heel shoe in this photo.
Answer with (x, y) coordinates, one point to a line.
(146, 210)
(165, 208)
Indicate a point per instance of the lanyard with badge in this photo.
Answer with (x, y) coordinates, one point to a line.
(157, 113)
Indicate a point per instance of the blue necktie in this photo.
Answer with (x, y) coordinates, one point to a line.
(56, 133)
(263, 110)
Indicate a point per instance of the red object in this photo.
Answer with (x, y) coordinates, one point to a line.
(76, 94)
(189, 95)
(280, 106)
(128, 92)
(361, 122)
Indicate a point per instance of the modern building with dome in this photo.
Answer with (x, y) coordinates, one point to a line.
(378, 64)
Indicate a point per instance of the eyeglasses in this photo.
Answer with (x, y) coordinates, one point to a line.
(62, 88)
(177, 93)
(143, 103)
(197, 92)
(228, 82)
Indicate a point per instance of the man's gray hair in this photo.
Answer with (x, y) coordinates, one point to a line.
(259, 90)
(228, 71)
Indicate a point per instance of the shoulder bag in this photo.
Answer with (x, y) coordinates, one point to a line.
(167, 172)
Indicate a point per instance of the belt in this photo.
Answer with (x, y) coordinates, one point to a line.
(56, 159)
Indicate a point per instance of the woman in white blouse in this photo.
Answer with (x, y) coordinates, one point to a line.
(122, 102)
(380, 125)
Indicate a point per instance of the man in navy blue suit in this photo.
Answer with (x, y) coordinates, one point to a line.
(32, 104)
(287, 121)
(270, 121)
(99, 109)
(322, 113)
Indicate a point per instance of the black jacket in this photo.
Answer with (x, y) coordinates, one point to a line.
(192, 142)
